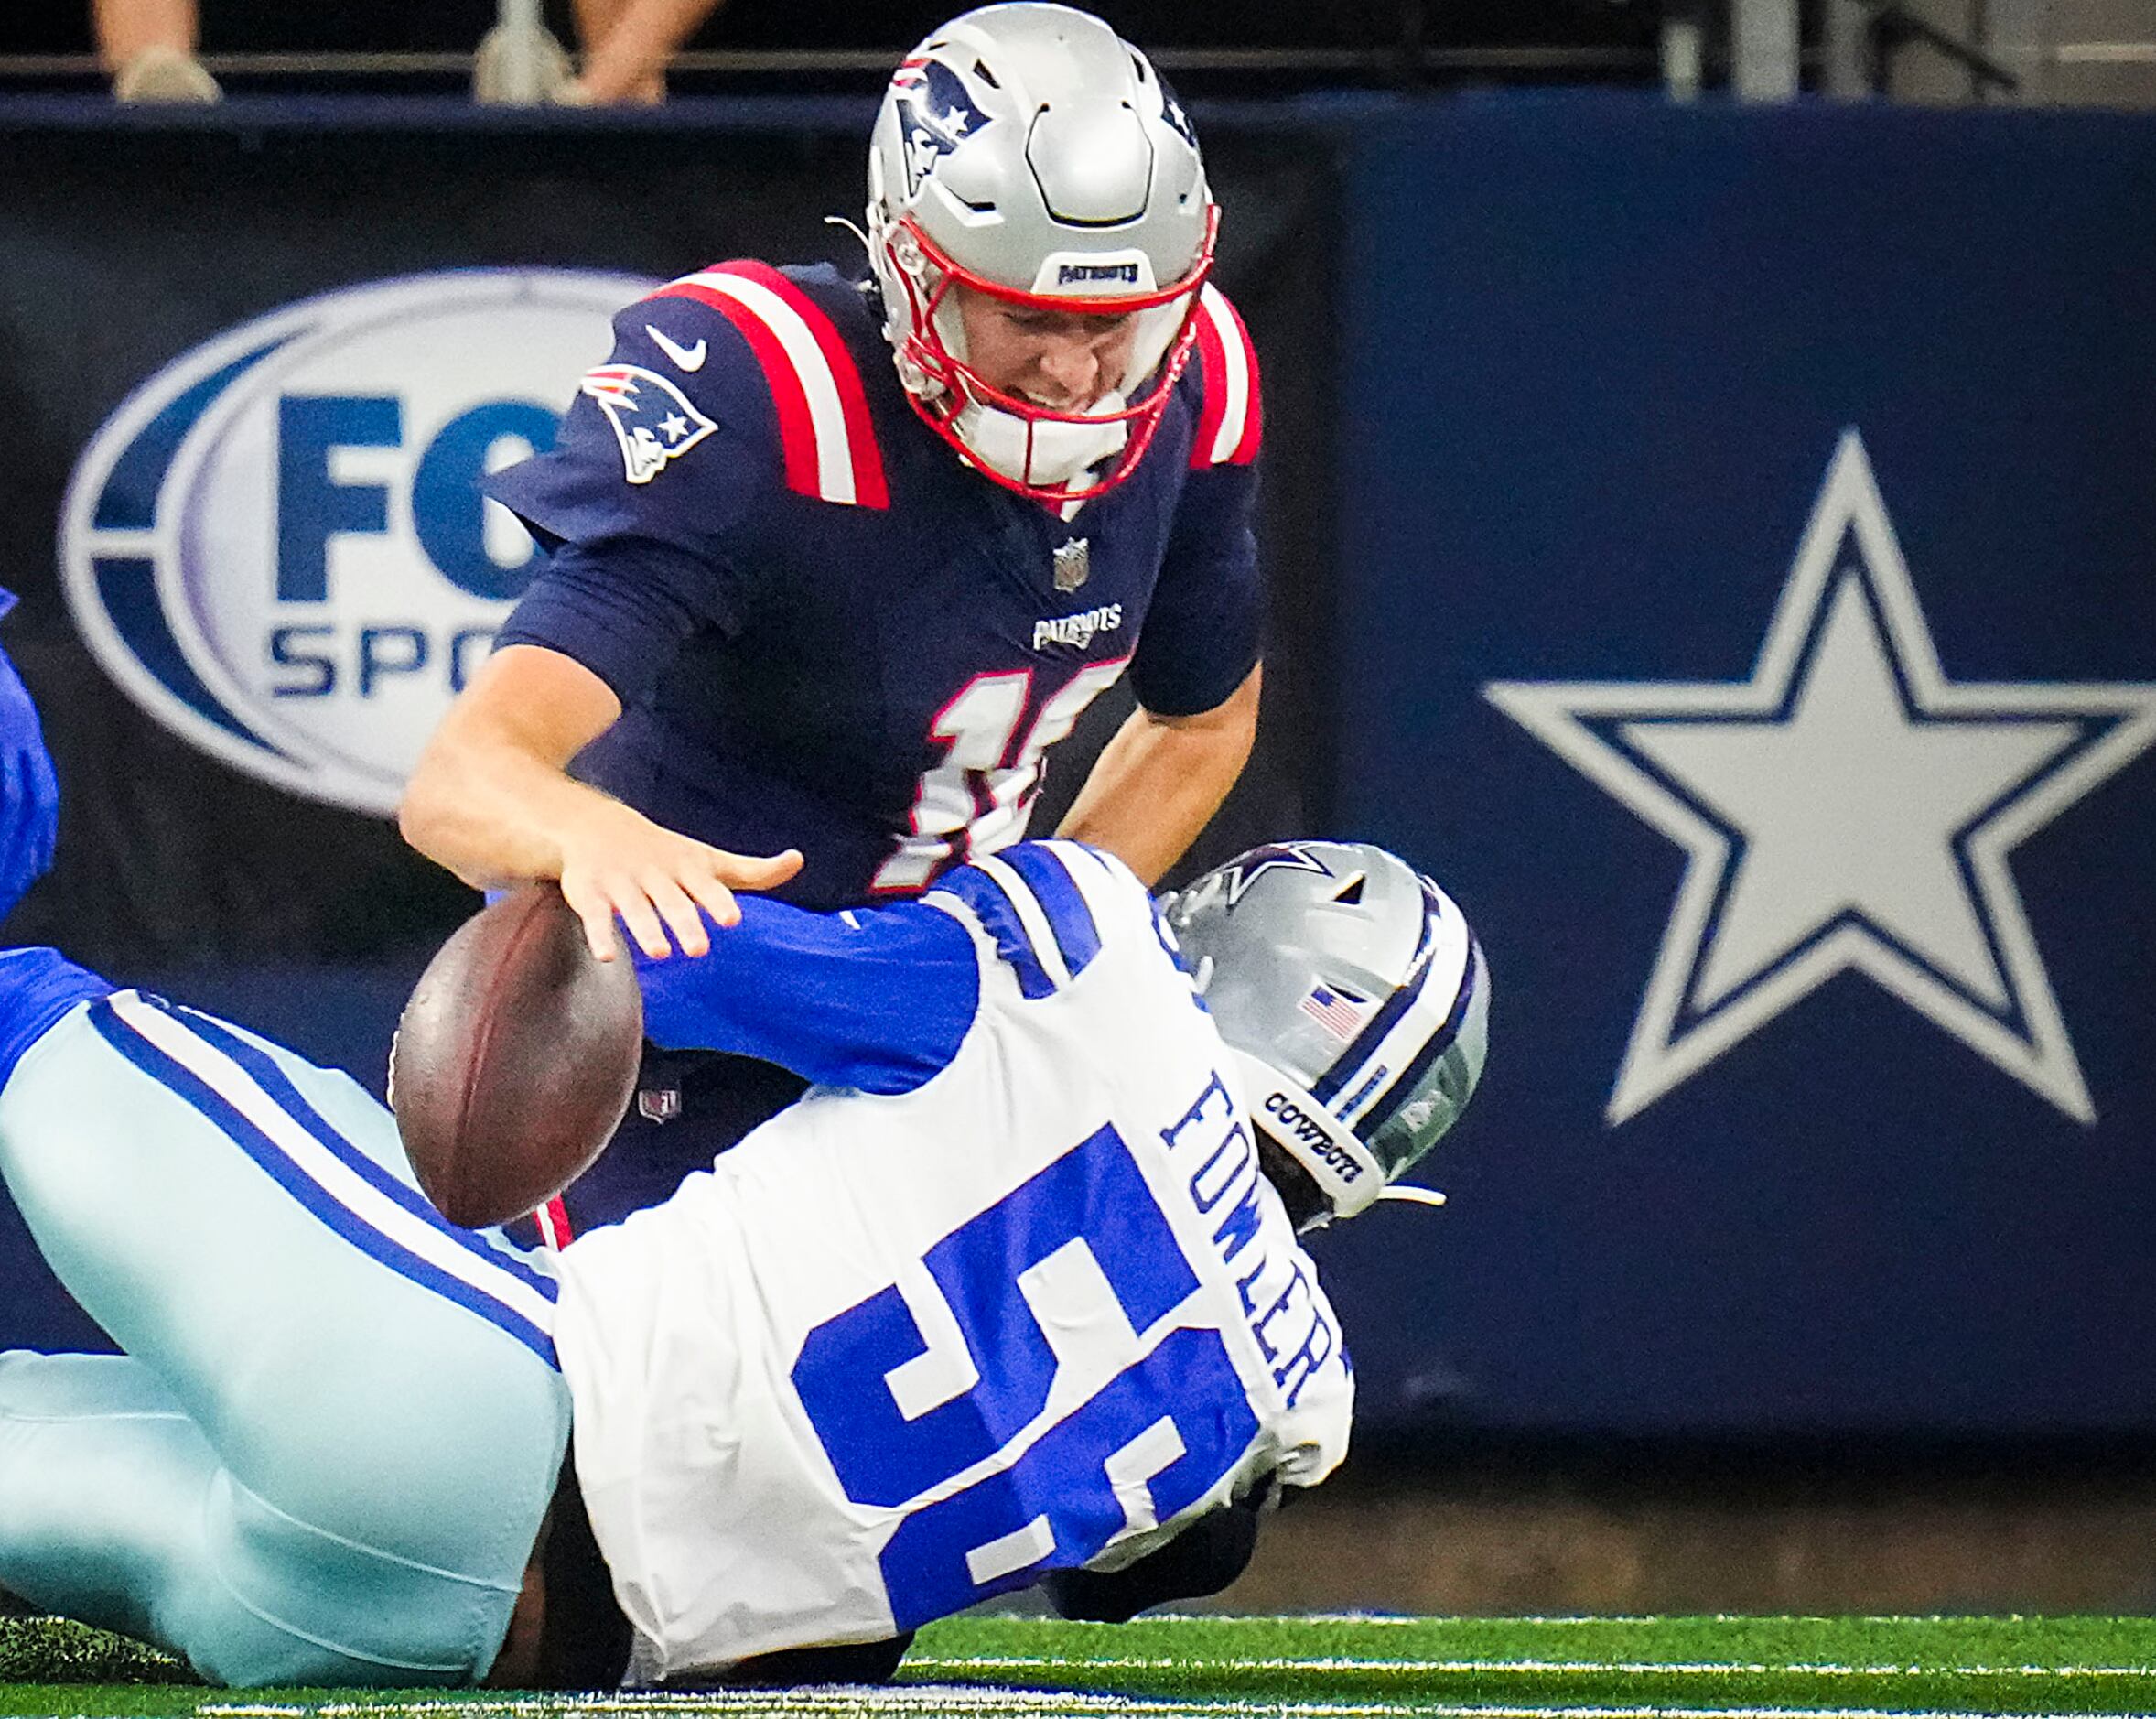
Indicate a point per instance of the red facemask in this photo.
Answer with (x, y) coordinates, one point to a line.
(954, 386)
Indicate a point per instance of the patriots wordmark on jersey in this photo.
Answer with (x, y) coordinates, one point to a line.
(1007, 1293)
(826, 630)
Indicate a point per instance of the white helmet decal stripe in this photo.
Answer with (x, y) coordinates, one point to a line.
(1421, 1022)
(828, 441)
(1229, 427)
(1346, 1171)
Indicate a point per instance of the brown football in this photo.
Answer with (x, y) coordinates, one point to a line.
(514, 1059)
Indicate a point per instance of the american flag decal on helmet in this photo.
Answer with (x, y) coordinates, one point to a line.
(1338, 1012)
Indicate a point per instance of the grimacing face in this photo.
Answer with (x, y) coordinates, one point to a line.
(1063, 360)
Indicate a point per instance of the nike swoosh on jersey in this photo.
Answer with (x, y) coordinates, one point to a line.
(690, 358)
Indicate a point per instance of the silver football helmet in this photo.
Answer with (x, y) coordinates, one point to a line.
(1354, 999)
(1029, 153)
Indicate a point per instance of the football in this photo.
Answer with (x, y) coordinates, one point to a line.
(514, 1059)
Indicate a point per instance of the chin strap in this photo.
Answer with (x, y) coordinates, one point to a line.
(1344, 1168)
(840, 220)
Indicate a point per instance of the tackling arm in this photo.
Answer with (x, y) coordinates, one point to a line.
(1158, 783)
(30, 793)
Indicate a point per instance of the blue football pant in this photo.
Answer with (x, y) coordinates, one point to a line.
(329, 1447)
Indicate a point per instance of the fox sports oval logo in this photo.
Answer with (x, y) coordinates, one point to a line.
(276, 545)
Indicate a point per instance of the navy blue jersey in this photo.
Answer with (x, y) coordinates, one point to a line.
(825, 630)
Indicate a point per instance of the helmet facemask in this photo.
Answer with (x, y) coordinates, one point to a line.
(1052, 454)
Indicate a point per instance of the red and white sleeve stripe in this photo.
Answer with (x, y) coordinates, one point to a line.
(827, 438)
(1231, 423)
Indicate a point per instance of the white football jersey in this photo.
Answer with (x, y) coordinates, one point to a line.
(1031, 1306)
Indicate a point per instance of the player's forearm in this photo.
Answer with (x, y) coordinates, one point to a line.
(492, 814)
(490, 798)
(1158, 783)
(493, 800)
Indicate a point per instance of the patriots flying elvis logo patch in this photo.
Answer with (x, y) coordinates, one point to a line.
(654, 421)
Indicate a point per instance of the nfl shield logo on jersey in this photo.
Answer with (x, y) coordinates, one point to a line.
(653, 419)
(1073, 563)
(659, 1104)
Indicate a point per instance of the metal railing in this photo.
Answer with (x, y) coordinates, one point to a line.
(1527, 60)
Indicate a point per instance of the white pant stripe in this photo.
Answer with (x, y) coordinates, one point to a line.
(337, 1179)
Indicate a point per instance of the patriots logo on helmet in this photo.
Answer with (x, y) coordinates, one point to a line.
(1173, 112)
(653, 419)
(1279, 856)
(935, 114)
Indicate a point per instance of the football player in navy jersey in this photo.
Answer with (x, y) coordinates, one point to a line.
(832, 564)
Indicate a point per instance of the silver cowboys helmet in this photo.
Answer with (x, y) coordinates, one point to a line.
(1354, 999)
(1027, 152)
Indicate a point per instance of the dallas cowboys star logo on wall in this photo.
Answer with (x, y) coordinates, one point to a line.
(1847, 808)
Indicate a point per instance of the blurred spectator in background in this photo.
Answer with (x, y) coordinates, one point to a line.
(627, 45)
(149, 46)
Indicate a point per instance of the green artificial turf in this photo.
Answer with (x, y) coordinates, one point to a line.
(1354, 1667)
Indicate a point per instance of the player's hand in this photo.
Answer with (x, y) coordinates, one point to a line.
(620, 864)
(29, 796)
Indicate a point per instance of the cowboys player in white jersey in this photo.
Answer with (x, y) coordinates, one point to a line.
(1014, 1295)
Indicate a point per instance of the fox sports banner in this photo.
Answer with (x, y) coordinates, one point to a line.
(276, 545)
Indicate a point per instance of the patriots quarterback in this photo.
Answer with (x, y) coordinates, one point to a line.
(833, 564)
(1014, 1296)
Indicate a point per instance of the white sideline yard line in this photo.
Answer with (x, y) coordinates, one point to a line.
(1602, 1617)
(1588, 1619)
(1335, 1662)
(835, 1699)
(931, 1698)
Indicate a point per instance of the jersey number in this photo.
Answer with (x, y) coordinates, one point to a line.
(976, 800)
(1081, 1251)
